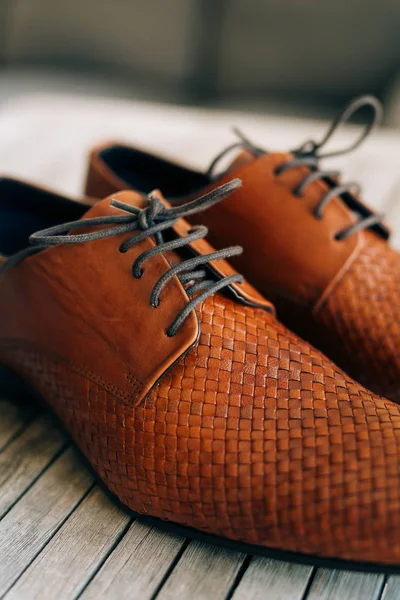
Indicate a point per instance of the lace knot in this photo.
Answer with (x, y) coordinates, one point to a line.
(148, 216)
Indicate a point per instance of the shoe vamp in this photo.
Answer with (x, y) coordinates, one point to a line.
(260, 437)
(253, 435)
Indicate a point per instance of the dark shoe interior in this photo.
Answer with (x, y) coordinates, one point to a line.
(25, 209)
(144, 172)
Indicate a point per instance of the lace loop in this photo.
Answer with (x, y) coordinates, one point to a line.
(309, 155)
(312, 148)
(153, 220)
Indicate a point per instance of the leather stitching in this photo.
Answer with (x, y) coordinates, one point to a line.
(23, 345)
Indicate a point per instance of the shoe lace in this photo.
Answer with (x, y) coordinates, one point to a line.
(153, 220)
(309, 154)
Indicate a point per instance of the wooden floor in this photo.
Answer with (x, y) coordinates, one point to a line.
(61, 537)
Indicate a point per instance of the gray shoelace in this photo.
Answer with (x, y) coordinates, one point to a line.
(153, 220)
(309, 155)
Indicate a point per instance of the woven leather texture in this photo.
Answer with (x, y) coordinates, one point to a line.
(254, 435)
(362, 320)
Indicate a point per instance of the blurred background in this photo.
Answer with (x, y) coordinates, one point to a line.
(285, 56)
(173, 76)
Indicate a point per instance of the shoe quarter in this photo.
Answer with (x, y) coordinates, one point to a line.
(81, 303)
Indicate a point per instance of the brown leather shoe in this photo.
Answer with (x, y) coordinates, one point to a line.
(192, 403)
(310, 244)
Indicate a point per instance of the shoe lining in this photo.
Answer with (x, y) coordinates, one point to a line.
(25, 209)
(144, 173)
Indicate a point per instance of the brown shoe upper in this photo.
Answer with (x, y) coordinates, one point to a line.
(341, 293)
(247, 431)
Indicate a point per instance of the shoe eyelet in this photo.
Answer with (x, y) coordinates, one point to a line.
(166, 331)
(155, 304)
(138, 276)
(278, 170)
(121, 250)
(338, 237)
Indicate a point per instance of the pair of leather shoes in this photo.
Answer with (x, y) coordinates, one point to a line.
(191, 401)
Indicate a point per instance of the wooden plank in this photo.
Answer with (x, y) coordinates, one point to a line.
(392, 588)
(15, 415)
(31, 523)
(332, 584)
(26, 457)
(75, 553)
(137, 566)
(203, 572)
(267, 579)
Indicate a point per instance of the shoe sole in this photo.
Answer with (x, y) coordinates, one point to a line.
(12, 385)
